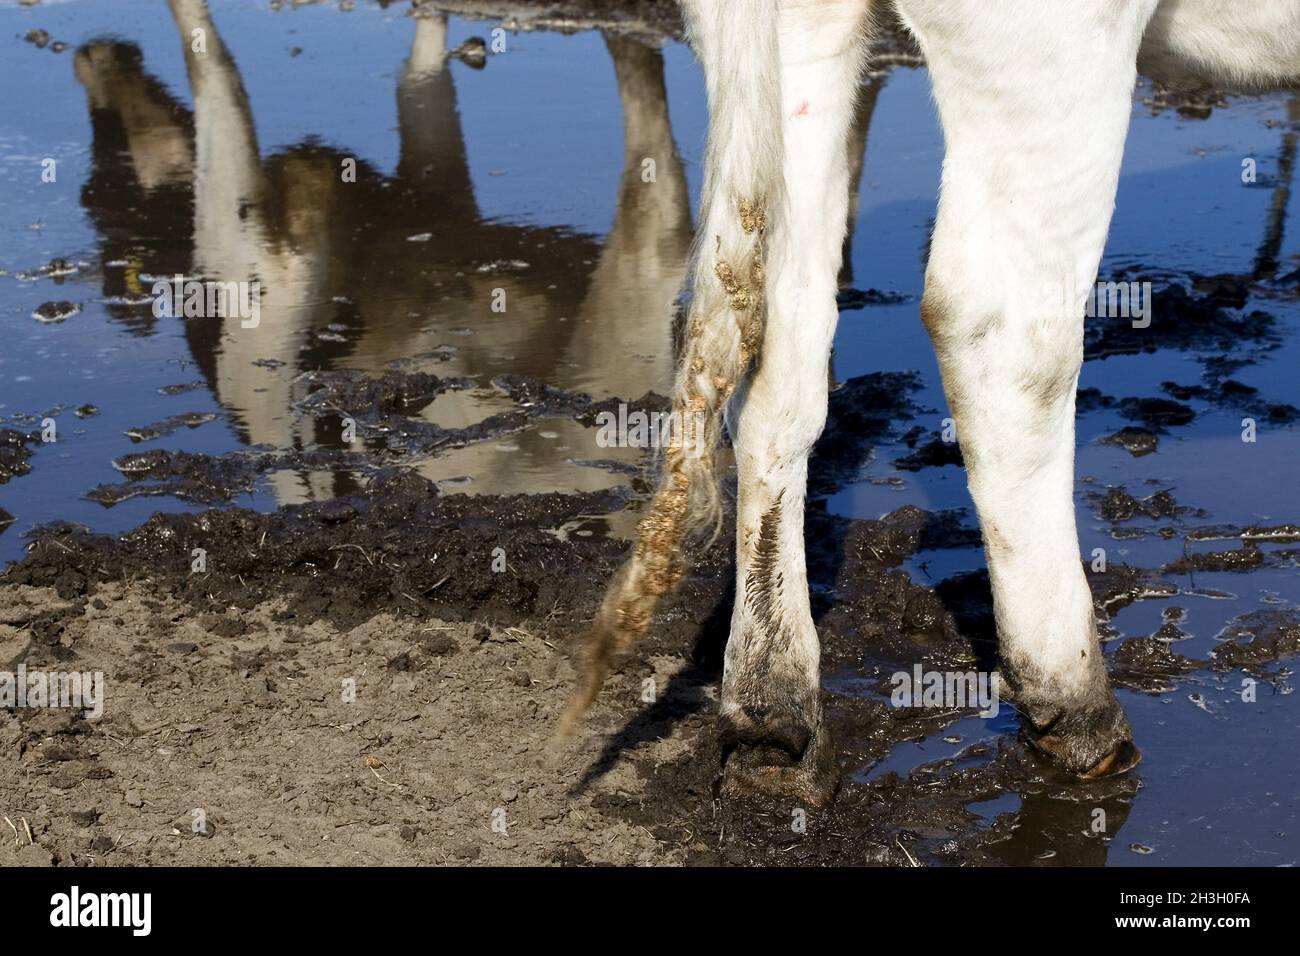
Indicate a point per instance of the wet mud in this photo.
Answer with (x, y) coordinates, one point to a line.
(15, 453)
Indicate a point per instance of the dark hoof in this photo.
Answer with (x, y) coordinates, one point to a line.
(780, 758)
(1088, 743)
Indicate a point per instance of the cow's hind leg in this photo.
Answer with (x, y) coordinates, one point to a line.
(771, 696)
(1034, 100)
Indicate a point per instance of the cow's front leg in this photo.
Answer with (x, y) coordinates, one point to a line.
(771, 692)
(1035, 107)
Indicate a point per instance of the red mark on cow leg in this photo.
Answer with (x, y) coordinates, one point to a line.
(802, 110)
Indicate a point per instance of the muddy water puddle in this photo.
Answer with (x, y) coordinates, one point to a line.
(461, 264)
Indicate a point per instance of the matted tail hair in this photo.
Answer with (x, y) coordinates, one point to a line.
(737, 42)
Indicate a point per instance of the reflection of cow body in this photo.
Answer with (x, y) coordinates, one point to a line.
(330, 249)
(1034, 98)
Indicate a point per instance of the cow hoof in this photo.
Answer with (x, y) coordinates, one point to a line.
(1088, 743)
(789, 763)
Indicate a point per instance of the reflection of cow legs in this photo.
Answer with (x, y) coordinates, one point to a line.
(140, 188)
(238, 239)
(432, 159)
(157, 136)
(228, 181)
(858, 135)
(625, 327)
(1266, 259)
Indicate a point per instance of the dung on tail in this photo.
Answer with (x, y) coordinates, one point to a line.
(742, 194)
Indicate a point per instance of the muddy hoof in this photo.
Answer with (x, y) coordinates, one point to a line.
(1088, 743)
(779, 759)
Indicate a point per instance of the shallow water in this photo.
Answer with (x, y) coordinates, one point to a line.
(526, 176)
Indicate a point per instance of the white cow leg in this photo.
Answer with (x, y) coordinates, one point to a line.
(771, 696)
(1034, 99)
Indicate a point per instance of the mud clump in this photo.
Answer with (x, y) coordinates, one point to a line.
(1284, 532)
(1243, 559)
(473, 52)
(394, 392)
(1149, 664)
(169, 425)
(1117, 505)
(1138, 442)
(189, 476)
(54, 312)
(1257, 639)
(15, 453)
